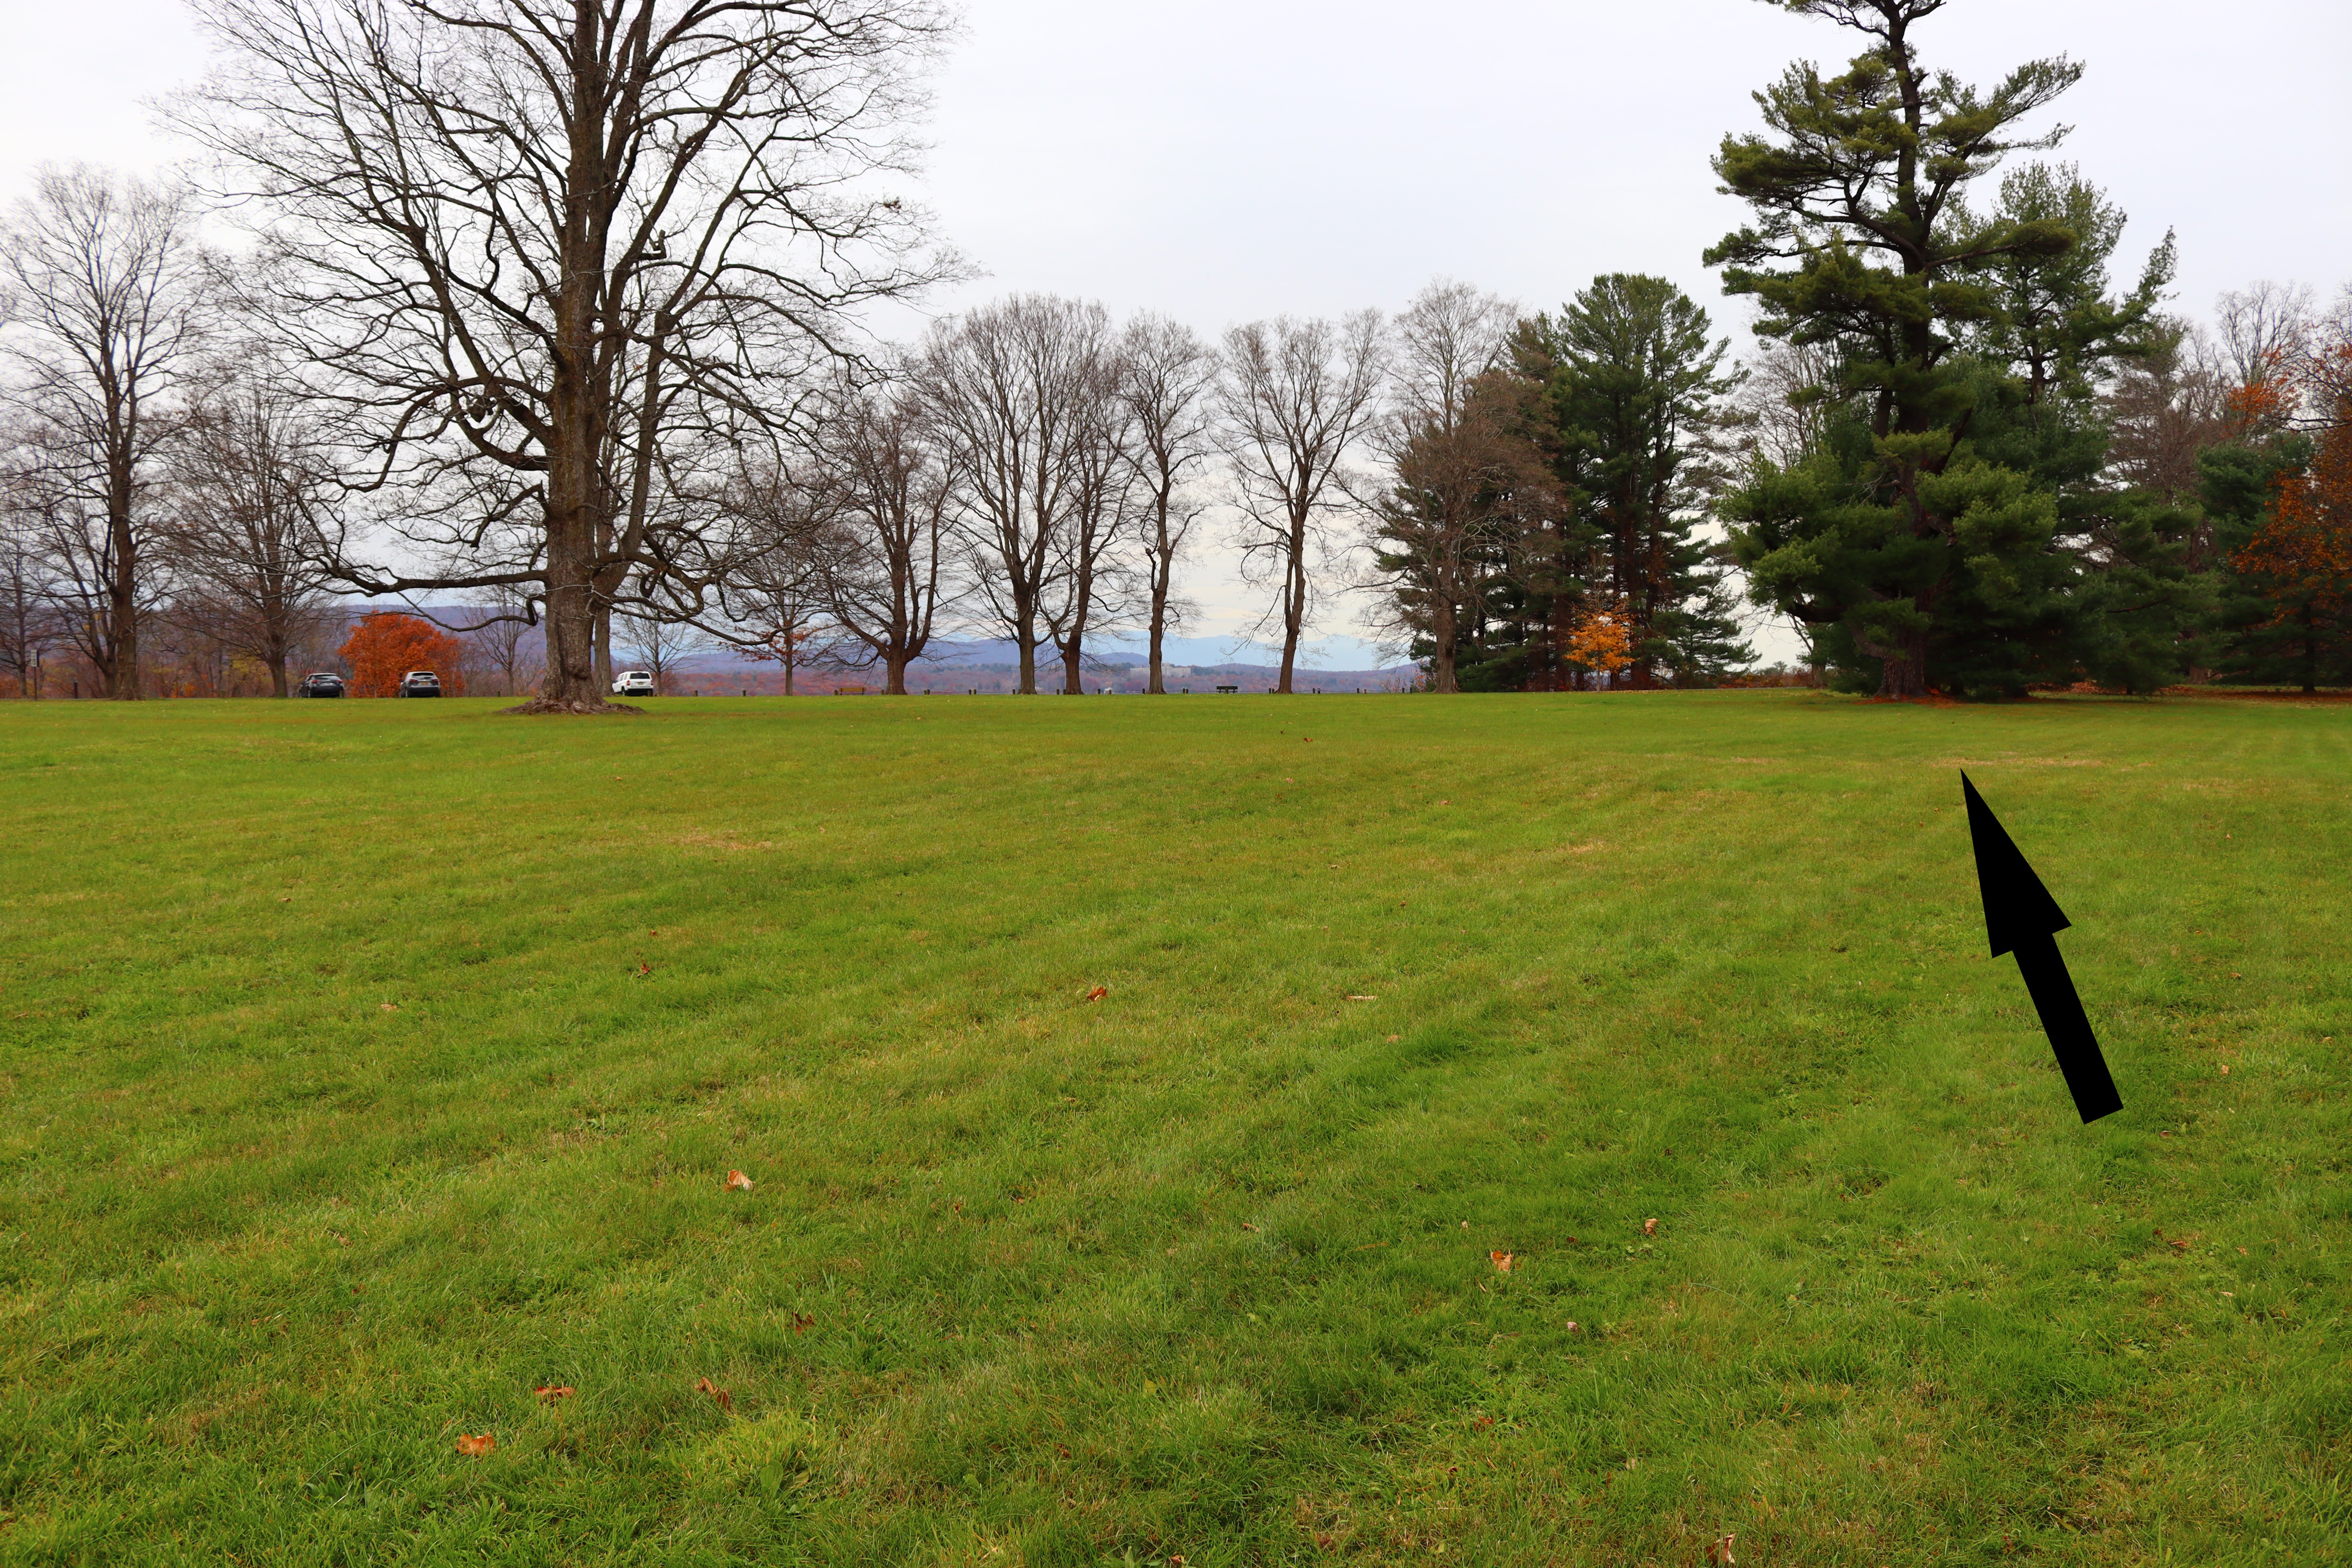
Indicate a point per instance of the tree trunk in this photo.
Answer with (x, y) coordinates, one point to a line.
(1028, 641)
(121, 671)
(1903, 673)
(1441, 677)
(895, 684)
(1073, 681)
(1294, 606)
(1158, 687)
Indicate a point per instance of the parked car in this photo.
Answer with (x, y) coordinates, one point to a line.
(420, 683)
(633, 683)
(319, 683)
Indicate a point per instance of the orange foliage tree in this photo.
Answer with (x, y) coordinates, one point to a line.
(2301, 560)
(387, 644)
(1602, 641)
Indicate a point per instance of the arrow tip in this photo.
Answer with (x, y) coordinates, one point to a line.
(2017, 907)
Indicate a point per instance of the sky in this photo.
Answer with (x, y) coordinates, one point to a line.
(1227, 160)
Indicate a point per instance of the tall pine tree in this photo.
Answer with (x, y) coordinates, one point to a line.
(1632, 389)
(1916, 560)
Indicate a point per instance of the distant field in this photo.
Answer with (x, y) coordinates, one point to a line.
(366, 1066)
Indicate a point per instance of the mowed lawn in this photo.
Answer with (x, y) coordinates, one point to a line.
(369, 1066)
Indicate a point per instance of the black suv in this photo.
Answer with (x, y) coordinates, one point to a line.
(320, 685)
(420, 683)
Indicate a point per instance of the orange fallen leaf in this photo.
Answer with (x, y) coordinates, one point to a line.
(1720, 1550)
(549, 1393)
(475, 1448)
(2225, 1069)
(341, 1239)
(1648, 1227)
(643, 969)
(1505, 1261)
(1098, 993)
(802, 1323)
(726, 1400)
(1394, 1038)
(737, 1182)
(388, 1007)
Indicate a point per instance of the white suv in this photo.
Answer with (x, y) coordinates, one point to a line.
(633, 683)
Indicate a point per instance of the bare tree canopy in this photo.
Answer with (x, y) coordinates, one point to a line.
(547, 257)
(244, 475)
(103, 284)
(1297, 397)
(1017, 390)
(1169, 390)
(879, 533)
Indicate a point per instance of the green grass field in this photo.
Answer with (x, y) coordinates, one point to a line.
(369, 1066)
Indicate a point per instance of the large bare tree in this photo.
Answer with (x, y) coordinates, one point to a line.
(1016, 390)
(550, 258)
(880, 545)
(103, 287)
(1297, 397)
(1169, 389)
(244, 492)
(1089, 588)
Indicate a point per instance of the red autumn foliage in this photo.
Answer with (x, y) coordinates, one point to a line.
(2300, 557)
(387, 644)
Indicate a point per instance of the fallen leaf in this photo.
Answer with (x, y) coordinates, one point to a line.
(1505, 1261)
(1445, 803)
(737, 1182)
(2225, 1069)
(1720, 1550)
(549, 1393)
(802, 1323)
(341, 1239)
(1247, 1226)
(1648, 1227)
(1098, 993)
(726, 1400)
(1465, 1225)
(643, 969)
(388, 1007)
(1353, 997)
(1572, 1327)
(475, 1448)
(1394, 1038)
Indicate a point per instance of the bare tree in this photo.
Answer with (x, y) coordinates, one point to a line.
(1462, 471)
(103, 283)
(2264, 330)
(1016, 389)
(775, 601)
(1784, 406)
(1087, 590)
(245, 484)
(28, 626)
(654, 644)
(1296, 396)
(1169, 389)
(548, 259)
(509, 637)
(881, 534)
(2164, 408)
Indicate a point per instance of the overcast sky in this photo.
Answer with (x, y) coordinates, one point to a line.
(1228, 159)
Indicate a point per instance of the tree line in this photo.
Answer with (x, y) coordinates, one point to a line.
(555, 310)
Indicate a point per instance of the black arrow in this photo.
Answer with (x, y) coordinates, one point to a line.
(2021, 917)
